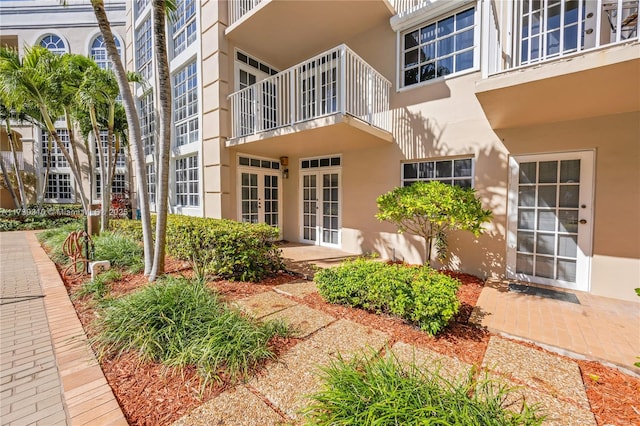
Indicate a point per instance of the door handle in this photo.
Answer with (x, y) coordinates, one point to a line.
(583, 221)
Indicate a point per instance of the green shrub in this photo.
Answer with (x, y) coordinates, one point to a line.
(378, 391)
(120, 250)
(416, 293)
(98, 287)
(43, 217)
(181, 322)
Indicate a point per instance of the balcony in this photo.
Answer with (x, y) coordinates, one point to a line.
(559, 60)
(329, 96)
(299, 29)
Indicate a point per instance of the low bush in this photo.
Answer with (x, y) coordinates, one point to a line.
(181, 322)
(229, 249)
(416, 293)
(378, 391)
(98, 288)
(122, 251)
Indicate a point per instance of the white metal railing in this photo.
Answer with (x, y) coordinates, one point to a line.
(7, 158)
(239, 8)
(405, 7)
(336, 81)
(527, 32)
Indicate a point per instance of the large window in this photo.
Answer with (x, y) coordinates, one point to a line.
(140, 5)
(144, 49)
(458, 172)
(58, 187)
(185, 104)
(121, 159)
(54, 43)
(99, 52)
(184, 26)
(439, 48)
(147, 124)
(151, 182)
(187, 193)
(118, 186)
(54, 158)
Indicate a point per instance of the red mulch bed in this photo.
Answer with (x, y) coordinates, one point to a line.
(151, 394)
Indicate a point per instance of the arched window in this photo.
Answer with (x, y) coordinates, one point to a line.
(54, 44)
(99, 52)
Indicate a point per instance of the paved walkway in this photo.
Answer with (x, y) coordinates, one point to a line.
(48, 375)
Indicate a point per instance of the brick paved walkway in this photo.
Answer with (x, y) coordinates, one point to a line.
(48, 374)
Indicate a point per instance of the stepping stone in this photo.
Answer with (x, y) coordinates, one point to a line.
(547, 373)
(304, 319)
(450, 368)
(288, 382)
(299, 288)
(263, 304)
(236, 406)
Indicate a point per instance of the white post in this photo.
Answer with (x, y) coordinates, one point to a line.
(343, 78)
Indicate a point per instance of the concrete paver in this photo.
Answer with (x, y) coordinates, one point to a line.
(450, 368)
(298, 289)
(263, 304)
(303, 319)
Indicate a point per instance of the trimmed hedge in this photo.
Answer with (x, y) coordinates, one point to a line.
(222, 247)
(418, 294)
(39, 217)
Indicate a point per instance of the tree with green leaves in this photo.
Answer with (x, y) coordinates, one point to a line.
(430, 210)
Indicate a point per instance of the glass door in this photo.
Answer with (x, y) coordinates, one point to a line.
(550, 219)
(321, 207)
(259, 197)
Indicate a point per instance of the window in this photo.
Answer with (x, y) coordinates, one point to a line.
(185, 104)
(147, 124)
(184, 26)
(246, 59)
(144, 49)
(99, 52)
(54, 43)
(187, 193)
(140, 5)
(439, 48)
(151, 182)
(121, 160)
(320, 162)
(54, 158)
(58, 187)
(256, 162)
(118, 186)
(458, 172)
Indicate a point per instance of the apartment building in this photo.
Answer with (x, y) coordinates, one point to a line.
(69, 28)
(299, 114)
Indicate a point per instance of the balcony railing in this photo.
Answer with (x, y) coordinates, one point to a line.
(405, 7)
(239, 8)
(528, 32)
(335, 82)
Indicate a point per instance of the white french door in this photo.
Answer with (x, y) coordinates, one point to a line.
(550, 219)
(259, 197)
(321, 207)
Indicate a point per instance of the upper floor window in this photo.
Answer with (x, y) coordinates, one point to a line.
(99, 52)
(121, 159)
(443, 47)
(147, 124)
(187, 192)
(185, 104)
(184, 26)
(140, 5)
(55, 158)
(144, 46)
(54, 43)
(458, 172)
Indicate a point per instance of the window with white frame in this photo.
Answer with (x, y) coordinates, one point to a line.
(184, 26)
(118, 186)
(58, 187)
(187, 193)
(151, 182)
(185, 104)
(439, 48)
(457, 171)
(54, 158)
(144, 47)
(147, 124)
(99, 52)
(121, 159)
(54, 44)
(140, 5)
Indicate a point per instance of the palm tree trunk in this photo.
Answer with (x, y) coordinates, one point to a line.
(7, 183)
(75, 165)
(12, 145)
(133, 124)
(164, 145)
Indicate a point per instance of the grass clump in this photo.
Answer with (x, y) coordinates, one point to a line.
(180, 322)
(54, 238)
(416, 293)
(120, 250)
(378, 391)
(98, 288)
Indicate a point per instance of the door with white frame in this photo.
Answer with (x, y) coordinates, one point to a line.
(321, 203)
(259, 191)
(550, 219)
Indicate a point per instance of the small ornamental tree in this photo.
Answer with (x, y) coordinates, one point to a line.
(430, 209)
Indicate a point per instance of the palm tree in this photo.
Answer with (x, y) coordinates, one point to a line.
(133, 123)
(159, 9)
(6, 116)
